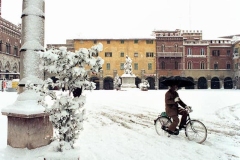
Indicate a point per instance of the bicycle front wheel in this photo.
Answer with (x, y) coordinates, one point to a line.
(196, 131)
(162, 123)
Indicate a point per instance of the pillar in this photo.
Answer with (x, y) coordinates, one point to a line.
(28, 124)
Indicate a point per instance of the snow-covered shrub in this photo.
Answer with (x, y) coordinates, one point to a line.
(67, 112)
(144, 85)
(117, 82)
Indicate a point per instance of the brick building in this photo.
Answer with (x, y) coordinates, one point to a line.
(207, 62)
(10, 43)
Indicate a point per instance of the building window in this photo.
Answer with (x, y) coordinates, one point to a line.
(176, 48)
(95, 41)
(135, 66)
(149, 41)
(228, 52)
(149, 66)
(122, 41)
(122, 54)
(0, 45)
(108, 54)
(135, 54)
(108, 66)
(122, 66)
(8, 49)
(216, 65)
(108, 42)
(189, 51)
(236, 65)
(163, 47)
(228, 66)
(176, 65)
(135, 41)
(235, 50)
(163, 65)
(149, 54)
(15, 51)
(215, 53)
(15, 68)
(202, 51)
(189, 65)
(202, 65)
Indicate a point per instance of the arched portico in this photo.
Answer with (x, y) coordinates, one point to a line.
(190, 87)
(228, 83)
(151, 82)
(215, 83)
(96, 81)
(161, 86)
(202, 83)
(137, 81)
(108, 83)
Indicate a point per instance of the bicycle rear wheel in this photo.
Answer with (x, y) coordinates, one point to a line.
(196, 131)
(162, 123)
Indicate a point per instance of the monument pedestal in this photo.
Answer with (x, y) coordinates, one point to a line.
(28, 131)
(128, 81)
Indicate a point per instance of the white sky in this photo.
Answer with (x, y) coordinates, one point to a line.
(120, 127)
(108, 18)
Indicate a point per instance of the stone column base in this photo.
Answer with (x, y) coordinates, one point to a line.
(28, 131)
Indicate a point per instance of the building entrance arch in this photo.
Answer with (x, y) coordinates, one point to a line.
(96, 81)
(190, 87)
(228, 83)
(215, 83)
(161, 86)
(108, 83)
(202, 83)
(137, 81)
(151, 82)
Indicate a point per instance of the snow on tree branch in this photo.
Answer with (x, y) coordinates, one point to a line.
(67, 113)
(72, 68)
(117, 82)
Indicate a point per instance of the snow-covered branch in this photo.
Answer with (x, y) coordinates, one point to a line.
(67, 113)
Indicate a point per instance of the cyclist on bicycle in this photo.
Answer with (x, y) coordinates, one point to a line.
(173, 110)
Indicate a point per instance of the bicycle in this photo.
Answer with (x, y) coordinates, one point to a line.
(194, 131)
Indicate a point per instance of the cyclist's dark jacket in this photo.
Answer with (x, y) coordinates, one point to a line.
(171, 106)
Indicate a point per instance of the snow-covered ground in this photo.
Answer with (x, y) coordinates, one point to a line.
(120, 126)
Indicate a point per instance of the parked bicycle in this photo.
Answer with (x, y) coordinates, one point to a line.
(194, 131)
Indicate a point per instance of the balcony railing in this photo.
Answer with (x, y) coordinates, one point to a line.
(196, 56)
(205, 43)
(169, 54)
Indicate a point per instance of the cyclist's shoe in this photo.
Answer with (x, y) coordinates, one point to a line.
(182, 127)
(164, 128)
(176, 132)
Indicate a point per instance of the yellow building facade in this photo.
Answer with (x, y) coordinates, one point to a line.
(141, 51)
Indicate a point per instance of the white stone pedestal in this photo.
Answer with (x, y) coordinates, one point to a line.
(128, 81)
